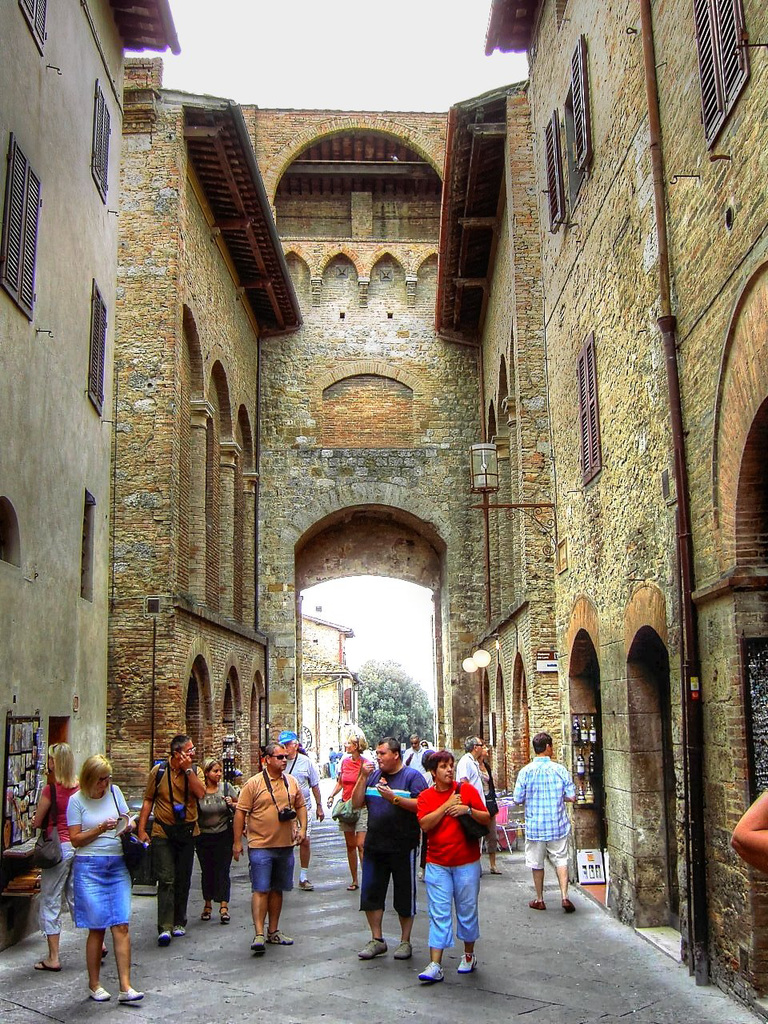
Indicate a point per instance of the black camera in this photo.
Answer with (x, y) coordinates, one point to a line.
(286, 814)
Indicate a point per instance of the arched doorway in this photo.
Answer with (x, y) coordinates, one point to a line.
(500, 739)
(520, 751)
(257, 724)
(196, 717)
(652, 771)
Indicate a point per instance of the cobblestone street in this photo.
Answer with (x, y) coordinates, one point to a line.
(575, 969)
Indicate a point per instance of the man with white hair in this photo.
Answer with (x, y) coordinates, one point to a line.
(301, 767)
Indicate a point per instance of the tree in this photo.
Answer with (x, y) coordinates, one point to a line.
(390, 703)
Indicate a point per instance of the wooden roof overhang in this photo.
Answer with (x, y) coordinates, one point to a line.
(145, 25)
(473, 200)
(510, 25)
(222, 156)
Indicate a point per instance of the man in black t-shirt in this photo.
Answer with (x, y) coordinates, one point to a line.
(390, 793)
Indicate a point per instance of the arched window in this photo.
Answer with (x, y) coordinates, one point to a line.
(10, 542)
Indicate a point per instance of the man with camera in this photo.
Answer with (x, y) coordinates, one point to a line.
(273, 813)
(173, 788)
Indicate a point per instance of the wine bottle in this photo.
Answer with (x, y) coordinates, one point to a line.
(591, 763)
(584, 731)
(581, 796)
(576, 733)
(580, 766)
(592, 731)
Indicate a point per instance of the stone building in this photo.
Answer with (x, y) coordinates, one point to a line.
(650, 156)
(328, 687)
(489, 299)
(202, 282)
(60, 114)
(367, 413)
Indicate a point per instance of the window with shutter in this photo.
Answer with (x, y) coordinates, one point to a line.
(18, 247)
(100, 150)
(554, 169)
(34, 12)
(98, 349)
(582, 125)
(723, 62)
(589, 417)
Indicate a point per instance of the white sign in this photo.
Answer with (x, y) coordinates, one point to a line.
(546, 661)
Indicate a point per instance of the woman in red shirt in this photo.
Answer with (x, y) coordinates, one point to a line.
(56, 882)
(453, 864)
(348, 771)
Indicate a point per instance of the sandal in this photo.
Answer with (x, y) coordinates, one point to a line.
(537, 905)
(224, 915)
(206, 914)
(353, 887)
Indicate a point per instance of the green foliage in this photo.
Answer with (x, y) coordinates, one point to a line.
(390, 703)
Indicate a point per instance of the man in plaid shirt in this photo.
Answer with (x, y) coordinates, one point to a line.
(545, 786)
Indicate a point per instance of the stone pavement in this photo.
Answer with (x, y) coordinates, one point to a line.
(582, 968)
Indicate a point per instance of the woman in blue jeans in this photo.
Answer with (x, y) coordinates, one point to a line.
(452, 873)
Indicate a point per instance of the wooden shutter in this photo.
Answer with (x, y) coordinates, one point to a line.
(35, 11)
(589, 417)
(582, 125)
(723, 64)
(554, 168)
(98, 349)
(100, 149)
(19, 240)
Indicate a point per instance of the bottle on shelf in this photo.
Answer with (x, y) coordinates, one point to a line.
(580, 765)
(581, 797)
(591, 763)
(592, 731)
(584, 730)
(589, 794)
(576, 730)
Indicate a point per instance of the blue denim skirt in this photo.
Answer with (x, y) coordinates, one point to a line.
(102, 892)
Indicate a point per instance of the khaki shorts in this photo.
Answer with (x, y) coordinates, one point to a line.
(537, 850)
(361, 825)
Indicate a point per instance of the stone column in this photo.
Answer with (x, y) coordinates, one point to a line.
(250, 485)
(200, 413)
(229, 452)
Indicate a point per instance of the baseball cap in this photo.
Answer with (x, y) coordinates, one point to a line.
(287, 736)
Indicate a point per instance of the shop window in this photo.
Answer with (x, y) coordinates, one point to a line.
(723, 60)
(18, 248)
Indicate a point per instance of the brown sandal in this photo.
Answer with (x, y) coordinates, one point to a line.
(537, 905)
(206, 914)
(353, 887)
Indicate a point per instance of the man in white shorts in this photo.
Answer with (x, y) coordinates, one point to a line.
(545, 787)
(304, 770)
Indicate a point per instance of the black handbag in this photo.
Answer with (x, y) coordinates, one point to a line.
(472, 827)
(490, 800)
(47, 852)
(135, 852)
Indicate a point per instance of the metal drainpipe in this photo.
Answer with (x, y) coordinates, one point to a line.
(696, 880)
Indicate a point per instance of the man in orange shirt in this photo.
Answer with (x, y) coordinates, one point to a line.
(271, 809)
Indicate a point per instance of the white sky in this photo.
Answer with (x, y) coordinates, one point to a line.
(392, 621)
(397, 55)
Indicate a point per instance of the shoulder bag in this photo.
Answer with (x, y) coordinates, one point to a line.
(473, 829)
(345, 812)
(47, 852)
(135, 852)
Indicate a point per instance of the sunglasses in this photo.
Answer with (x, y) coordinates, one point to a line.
(280, 757)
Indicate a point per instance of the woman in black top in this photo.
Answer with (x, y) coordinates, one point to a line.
(214, 844)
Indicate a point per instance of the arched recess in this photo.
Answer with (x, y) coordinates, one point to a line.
(741, 392)
(491, 422)
(587, 741)
(340, 284)
(520, 746)
(386, 289)
(751, 512)
(367, 411)
(298, 268)
(379, 540)
(257, 722)
(500, 737)
(192, 458)
(653, 876)
(10, 537)
(197, 709)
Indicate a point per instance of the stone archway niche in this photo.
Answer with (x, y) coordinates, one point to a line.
(379, 540)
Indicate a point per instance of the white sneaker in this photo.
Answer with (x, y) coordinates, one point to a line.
(130, 996)
(99, 994)
(432, 972)
(468, 964)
